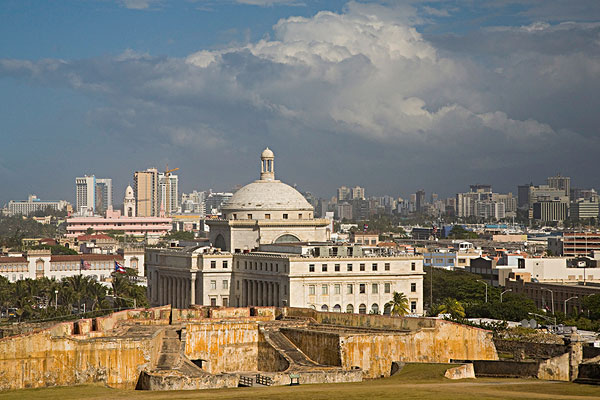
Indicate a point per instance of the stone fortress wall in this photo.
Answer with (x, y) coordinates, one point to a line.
(203, 347)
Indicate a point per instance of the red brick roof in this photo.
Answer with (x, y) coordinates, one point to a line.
(87, 257)
(13, 260)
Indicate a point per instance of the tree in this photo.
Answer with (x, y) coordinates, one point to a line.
(398, 305)
(458, 232)
(453, 307)
(89, 231)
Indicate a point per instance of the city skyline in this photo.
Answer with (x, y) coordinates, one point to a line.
(421, 95)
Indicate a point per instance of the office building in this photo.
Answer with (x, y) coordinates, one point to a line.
(146, 192)
(33, 204)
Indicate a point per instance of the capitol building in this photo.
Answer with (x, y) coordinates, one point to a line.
(268, 249)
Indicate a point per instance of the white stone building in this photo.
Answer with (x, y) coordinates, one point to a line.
(269, 250)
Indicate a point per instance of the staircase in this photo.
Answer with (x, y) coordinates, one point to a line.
(296, 358)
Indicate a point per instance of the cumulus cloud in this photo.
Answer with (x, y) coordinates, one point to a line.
(139, 4)
(363, 82)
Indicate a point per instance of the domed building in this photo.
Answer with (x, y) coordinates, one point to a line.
(266, 211)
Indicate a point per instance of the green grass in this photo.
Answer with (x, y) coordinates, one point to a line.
(415, 381)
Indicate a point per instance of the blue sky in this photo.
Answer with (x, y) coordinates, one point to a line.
(394, 96)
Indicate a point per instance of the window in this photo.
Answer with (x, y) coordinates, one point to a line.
(462, 260)
(362, 267)
(213, 285)
(362, 309)
(249, 216)
(387, 287)
(349, 267)
(427, 261)
(362, 288)
(374, 288)
(245, 264)
(350, 288)
(413, 287)
(225, 284)
(349, 308)
(337, 267)
(324, 268)
(375, 308)
(451, 261)
(413, 266)
(225, 302)
(213, 301)
(267, 216)
(374, 266)
(439, 260)
(311, 267)
(276, 267)
(213, 264)
(300, 216)
(238, 264)
(225, 264)
(311, 289)
(234, 216)
(324, 289)
(285, 216)
(413, 306)
(238, 285)
(337, 288)
(324, 307)
(387, 266)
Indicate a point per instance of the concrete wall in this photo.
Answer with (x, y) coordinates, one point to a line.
(226, 345)
(321, 347)
(555, 369)
(506, 369)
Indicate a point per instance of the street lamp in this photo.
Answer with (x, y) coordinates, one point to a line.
(507, 290)
(570, 298)
(551, 297)
(543, 316)
(486, 286)
(55, 299)
(126, 298)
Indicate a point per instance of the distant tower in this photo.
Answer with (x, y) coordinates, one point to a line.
(129, 203)
(267, 165)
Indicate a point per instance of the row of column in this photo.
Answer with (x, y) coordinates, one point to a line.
(260, 293)
(179, 292)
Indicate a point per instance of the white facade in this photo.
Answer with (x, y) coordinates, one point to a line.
(85, 188)
(552, 269)
(32, 205)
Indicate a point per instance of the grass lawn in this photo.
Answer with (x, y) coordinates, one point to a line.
(423, 381)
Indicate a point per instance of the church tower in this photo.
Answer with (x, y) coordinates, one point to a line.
(267, 165)
(129, 203)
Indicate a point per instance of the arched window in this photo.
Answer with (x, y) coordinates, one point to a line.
(312, 307)
(362, 309)
(220, 242)
(324, 307)
(286, 239)
(349, 308)
(375, 308)
(337, 308)
(387, 309)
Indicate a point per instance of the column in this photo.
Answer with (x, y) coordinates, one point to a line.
(254, 293)
(244, 293)
(193, 289)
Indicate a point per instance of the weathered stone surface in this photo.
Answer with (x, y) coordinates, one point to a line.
(465, 371)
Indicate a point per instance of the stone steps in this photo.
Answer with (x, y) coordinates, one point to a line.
(293, 354)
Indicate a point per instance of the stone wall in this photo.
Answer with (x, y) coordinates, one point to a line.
(226, 345)
(374, 353)
(506, 369)
(41, 359)
(269, 359)
(532, 350)
(321, 347)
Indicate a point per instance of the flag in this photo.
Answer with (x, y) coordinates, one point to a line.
(119, 268)
(85, 265)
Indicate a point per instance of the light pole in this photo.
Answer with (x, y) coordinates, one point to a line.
(570, 298)
(126, 298)
(55, 299)
(507, 290)
(543, 316)
(486, 286)
(551, 297)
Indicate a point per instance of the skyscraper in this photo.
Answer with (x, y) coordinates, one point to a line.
(146, 192)
(168, 192)
(560, 182)
(104, 194)
(85, 193)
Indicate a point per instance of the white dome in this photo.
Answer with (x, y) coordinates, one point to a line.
(267, 195)
(267, 153)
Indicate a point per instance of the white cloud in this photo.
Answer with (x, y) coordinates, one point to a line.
(139, 4)
(363, 80)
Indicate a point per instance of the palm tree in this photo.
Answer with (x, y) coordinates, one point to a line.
(453, 307)
(398, 305)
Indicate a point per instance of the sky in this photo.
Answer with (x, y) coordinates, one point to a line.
(394, 96)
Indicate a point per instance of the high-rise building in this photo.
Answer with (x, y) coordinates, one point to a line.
(357, 193)
(560, 182)
(85, 193)
(420, 200)
(168, 192)
(104, 194)
(146, 192)
(33, 204)
(343, 193)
